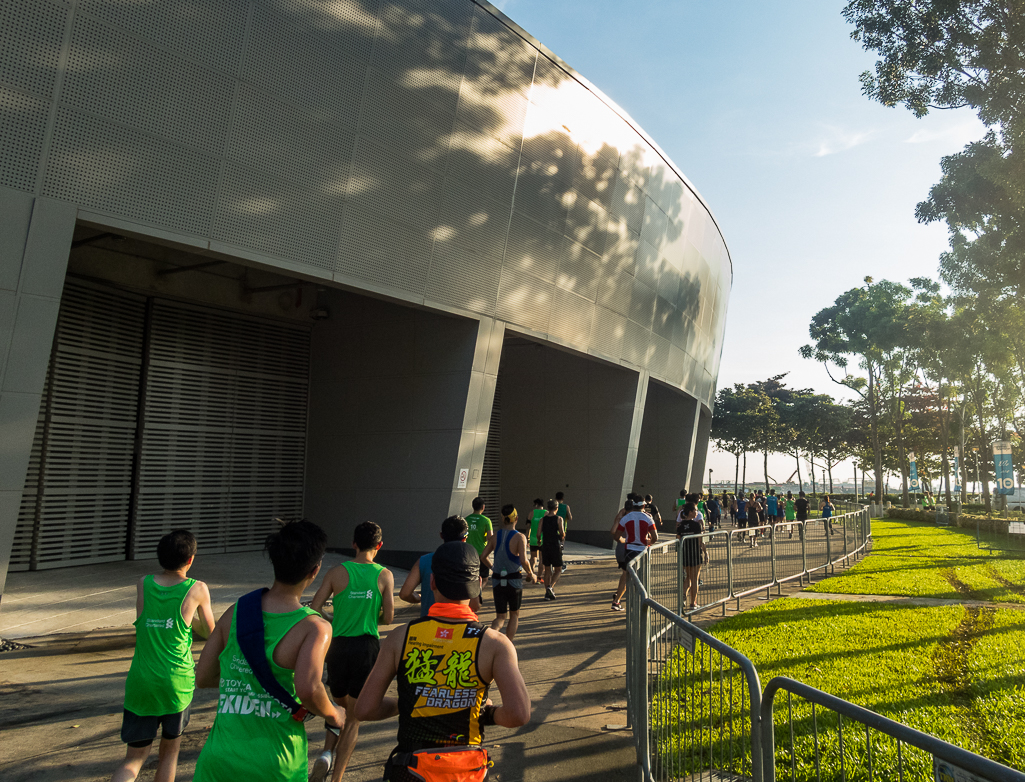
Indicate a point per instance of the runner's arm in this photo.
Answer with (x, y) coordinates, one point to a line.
(200, 595)
(515, 708)
(372, 704)
(386, 583)
(652, 536)
(328, 589)
(524, 555)
(140, 596)
(208, 669)
(408, 591)
(485, 556)
(562, 528)
(309, 672)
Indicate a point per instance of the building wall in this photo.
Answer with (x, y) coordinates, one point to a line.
(664, 457)
(394, 402)
(429, 150)
(569, 424)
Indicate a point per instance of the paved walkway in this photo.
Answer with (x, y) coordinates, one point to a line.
(62, 699)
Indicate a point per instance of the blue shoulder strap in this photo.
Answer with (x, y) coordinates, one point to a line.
(250, 637)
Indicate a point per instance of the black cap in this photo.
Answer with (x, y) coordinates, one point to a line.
(456, 570)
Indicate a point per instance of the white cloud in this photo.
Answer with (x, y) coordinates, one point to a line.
(840, 140)
(960, 133)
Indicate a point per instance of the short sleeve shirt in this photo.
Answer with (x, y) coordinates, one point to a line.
(479, 528)
(635, 526)
(801, 506)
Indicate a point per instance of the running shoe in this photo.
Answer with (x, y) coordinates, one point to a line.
(321, 767)
(617, 606)
(549, 594)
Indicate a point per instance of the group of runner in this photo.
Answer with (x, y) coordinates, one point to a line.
(267, 655)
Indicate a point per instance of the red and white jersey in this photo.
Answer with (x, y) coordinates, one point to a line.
(635, 526)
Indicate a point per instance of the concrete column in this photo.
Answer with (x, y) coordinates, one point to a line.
(634, 442)
(35, 240)
(480, 398)
(665, 460)
(699, 451)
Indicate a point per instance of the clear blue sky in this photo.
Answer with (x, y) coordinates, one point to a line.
(760, 106)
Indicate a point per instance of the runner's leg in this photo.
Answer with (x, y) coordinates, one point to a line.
(514, 623)
(499, 622)
(168, 764)
(134, 758)
(347, 739)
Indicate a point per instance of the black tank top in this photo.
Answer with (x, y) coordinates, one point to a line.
(550, 531)
(441, 692)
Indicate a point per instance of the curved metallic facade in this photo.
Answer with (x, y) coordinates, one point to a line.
(425, 150)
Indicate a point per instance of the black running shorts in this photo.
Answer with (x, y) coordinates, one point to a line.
(139, 731)
(349, 662)
(630, 554)
(551, 556)
(507, 598)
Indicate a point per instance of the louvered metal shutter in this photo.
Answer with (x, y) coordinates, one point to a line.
(491, 473)
(78, 488)
(223, 428)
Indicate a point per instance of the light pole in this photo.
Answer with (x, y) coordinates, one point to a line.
(710, 481)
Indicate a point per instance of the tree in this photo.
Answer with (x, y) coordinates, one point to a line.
(736, 423)
(866, 324)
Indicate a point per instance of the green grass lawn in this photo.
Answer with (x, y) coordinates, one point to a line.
(918, 559)
(952, 671)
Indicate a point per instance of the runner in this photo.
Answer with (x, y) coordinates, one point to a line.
(506, 555)
(445, 665)
(740, 510)
(567, 517)
(535, 532)
(361, 591)
(828, 509)
(790, 512)
(253, 737)
(161, 679)
(714, 512)
(771, 510)
(652, 510)
(480, 533)
(452, 529)
(754, 518)
(552, 535)
(801, 507)
(693, 552)
(680, 502)
(637, 530)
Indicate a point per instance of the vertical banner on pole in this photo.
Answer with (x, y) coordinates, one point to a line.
(914, 472)
(1004, 468)
(957, 468)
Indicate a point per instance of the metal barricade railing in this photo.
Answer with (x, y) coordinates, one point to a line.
(694, 702)
(749, 561)
(816, 736)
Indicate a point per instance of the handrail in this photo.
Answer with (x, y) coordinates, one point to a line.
(977, 764)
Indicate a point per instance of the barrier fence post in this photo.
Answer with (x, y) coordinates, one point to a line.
(846, 555)
(729, 567)
(772, 555)
(681, 582)
(829, 549)
(801, 527)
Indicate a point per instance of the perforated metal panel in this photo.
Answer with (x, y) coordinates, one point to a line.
(127, 79)
(275, 216)
(579, 270)
(607, 332)
(207, 31)
(318, 67)
(524, 299)
(25, 529)
(124, 171)
(30, 43)
(22, 124)
(223, 427)
(571, 318)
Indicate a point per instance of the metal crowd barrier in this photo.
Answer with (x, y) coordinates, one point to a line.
(820, 736)
(693, 701)
(696, 705)
(748, 561)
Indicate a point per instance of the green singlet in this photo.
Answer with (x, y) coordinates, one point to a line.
(162, 677)
(535, 526)
(479, 527)
(564, 512)
(790, 511)
(356, 607)
(253, 738)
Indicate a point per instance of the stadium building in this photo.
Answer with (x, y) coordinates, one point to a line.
(341, 259)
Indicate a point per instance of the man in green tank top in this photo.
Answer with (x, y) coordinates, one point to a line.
(480, 532)
(362, 594)
(253, 737)
(158, 691)
(534, 534)
(567, 516)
